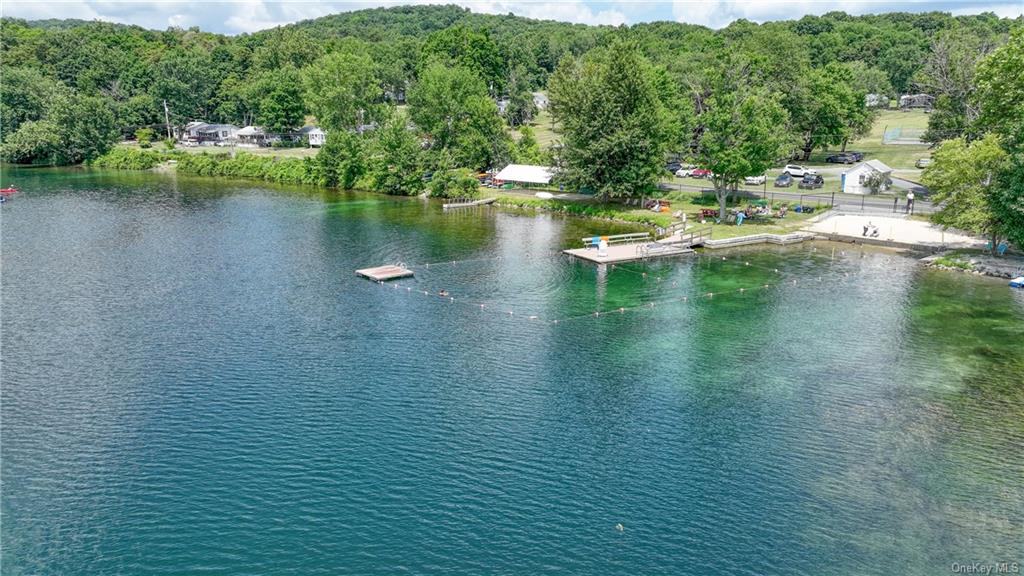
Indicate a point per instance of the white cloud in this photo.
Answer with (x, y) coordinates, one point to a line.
(235, 16)
(719, 13)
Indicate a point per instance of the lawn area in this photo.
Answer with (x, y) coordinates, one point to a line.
(688, 202)
(898, 156)
(544, 129)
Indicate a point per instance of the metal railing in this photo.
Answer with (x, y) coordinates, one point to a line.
(593, 241)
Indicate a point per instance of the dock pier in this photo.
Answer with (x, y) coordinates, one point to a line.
(638, 246)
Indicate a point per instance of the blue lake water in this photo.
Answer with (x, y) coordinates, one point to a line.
(195, 381)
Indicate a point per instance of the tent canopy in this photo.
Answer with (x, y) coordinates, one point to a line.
(525, 173)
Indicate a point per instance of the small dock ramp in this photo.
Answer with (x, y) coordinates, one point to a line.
(467, 204)
(384, 273)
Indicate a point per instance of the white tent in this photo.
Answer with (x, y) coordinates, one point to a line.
(525, 173)
(855, 179)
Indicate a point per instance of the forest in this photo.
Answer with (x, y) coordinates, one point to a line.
(734, 100)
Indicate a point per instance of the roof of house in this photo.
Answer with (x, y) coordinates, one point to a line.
(216, 127)
(250, 131)
(877, 165)
(310, 130)
(525, 173)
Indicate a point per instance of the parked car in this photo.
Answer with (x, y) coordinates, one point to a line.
(842, 158)
(700, 173)
(685, 170)
(784, 180)
(673, 167)
(811, 181)
(923, 162)
(754, 180)
(857, 156)
(797, 171)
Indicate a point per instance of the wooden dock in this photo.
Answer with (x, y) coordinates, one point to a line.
(626, 248)
(384, 273)
(455, 205)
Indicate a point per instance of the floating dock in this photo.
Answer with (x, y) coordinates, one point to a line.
(384, 273)
(455, 205)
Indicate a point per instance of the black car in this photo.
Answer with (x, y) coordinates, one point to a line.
(673, 166)
(811, 181)
(784, 180)
(842, 158)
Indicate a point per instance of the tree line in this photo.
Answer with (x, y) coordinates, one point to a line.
(735, 100)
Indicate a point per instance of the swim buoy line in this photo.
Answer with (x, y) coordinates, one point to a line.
(649, 305)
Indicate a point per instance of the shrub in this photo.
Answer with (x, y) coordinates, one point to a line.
(123, 158)
(145, 136)
(454, 183)
(169, 143)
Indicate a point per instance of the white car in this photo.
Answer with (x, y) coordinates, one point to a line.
(754, 180)
(797, 171)
(685, 170)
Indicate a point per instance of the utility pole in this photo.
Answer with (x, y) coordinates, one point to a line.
(167, 119)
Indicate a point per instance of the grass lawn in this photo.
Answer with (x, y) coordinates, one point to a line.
(900, 157)
(544, 129)
(690, 203)
(276, 152)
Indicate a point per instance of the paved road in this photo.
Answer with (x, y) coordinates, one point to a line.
(882, 203)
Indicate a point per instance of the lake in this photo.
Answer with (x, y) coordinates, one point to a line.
(195, 381)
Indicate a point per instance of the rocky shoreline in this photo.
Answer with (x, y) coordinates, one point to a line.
(1009, 267)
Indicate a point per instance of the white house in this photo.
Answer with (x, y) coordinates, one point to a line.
(198, 133)
(540, 100)
(313, 135)
(854, 180)
(255, 137)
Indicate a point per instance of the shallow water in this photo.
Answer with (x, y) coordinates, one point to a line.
(194, 380)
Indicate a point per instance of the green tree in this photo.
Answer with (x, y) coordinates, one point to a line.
(145, 137)
(868, 80)
(1008, 200)
(742, 135)
(395, 165)
(824, 108)
(451, 106)
(521, 108)
(73, 129)
(341, 89)
(458, 183)
(281, 109)
(25, 94)
(473, 50)
(964, 180)
(1000, 91)
(526, 150)
(948, 74)
(615, 120)
(341, 161)
(34, 142)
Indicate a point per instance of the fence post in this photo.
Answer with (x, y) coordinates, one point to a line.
(862, 202)
(832, 203)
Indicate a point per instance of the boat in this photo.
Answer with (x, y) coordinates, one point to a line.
(9, 190)
(1017, 282)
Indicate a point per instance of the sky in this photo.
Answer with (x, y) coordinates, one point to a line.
(238, 16)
